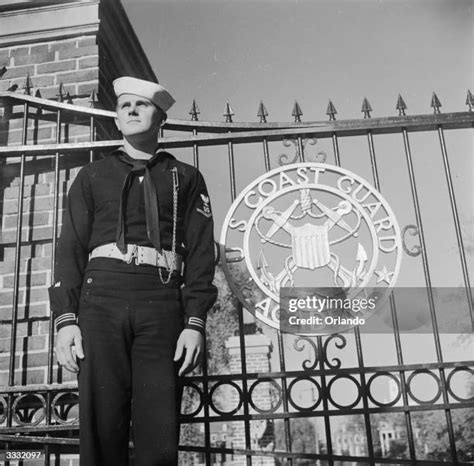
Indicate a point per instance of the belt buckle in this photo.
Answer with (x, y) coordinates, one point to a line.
(133, 255)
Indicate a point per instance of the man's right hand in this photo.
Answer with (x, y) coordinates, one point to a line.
(69, 347)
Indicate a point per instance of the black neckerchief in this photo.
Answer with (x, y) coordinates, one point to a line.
(139, 168)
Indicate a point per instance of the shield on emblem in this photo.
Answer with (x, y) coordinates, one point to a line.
(310, 245)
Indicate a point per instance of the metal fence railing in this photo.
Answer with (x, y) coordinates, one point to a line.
(44, 137)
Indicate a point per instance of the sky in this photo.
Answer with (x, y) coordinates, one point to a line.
(279, 51)
(244, 51)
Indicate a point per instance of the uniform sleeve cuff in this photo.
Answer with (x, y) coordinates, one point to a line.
(195, 323)
(69, 318)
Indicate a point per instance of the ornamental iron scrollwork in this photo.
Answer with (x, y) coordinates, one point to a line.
(354, 381)
(391, 377)
(29, 409)
(409, 386)
(4, 405)
(284, 159)
(193, 387)
(449, 381)
(412, 230)
(300, 344)
(293, 403)
(341, 345)
(274, 395)
(239, 398)
(62, 405)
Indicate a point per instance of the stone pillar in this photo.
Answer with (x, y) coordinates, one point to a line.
(257, 350)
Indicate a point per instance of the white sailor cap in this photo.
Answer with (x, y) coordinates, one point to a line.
(152, 91)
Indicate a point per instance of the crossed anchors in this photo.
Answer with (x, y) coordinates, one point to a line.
(310, 243)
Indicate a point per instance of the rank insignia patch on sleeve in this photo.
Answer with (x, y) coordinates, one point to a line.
(206, 208)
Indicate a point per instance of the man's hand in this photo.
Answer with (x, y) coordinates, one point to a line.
(69, 347)
(191, 344)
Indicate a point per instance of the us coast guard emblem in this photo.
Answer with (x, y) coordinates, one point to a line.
(309, 225)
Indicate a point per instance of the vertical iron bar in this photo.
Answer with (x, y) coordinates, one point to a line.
(373, 161)
(284, 390)
(327, 420)
(430, 292)
(205, 390)
(393, 311)
(243, 365)
(363, 383)
(324, 394)
(205, 384)
(92, 136)
(240, 311)
(300, 150)
(16, 273)
(266, 154)
(195, 151)
(335, 146)
(53, 245)
(457, 224)
(47, 455)
(53, 260)
(230, 150)
(398, 346)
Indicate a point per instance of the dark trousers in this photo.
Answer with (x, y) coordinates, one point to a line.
(130, 324)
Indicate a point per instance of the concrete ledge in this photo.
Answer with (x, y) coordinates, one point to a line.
(34, 25)
(253, 344)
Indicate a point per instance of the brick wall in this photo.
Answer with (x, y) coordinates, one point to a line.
(60, 70)
(74, 63)
(35, 274)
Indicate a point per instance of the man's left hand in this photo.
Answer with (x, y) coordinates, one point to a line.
(191, 345)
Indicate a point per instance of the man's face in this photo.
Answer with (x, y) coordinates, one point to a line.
(138, 117)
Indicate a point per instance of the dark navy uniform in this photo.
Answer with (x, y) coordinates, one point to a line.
(131, 315)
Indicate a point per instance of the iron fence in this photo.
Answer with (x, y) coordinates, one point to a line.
(44, 414)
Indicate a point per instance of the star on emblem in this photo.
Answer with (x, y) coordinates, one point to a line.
(384, 275)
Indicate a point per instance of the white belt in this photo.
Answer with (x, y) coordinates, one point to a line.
(141, 254)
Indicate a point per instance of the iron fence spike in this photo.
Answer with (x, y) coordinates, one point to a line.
(401, 105)
(229, 113)
(262, 113)
(435, 103)
(331, 111)
(28, 85)
(297, 112)
(194, 112)
(470, 100)
(60, 94)
(69, 98)
(92, 98)
(366, 108)
(38, 95)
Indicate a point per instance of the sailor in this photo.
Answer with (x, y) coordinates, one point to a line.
(132, 286)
